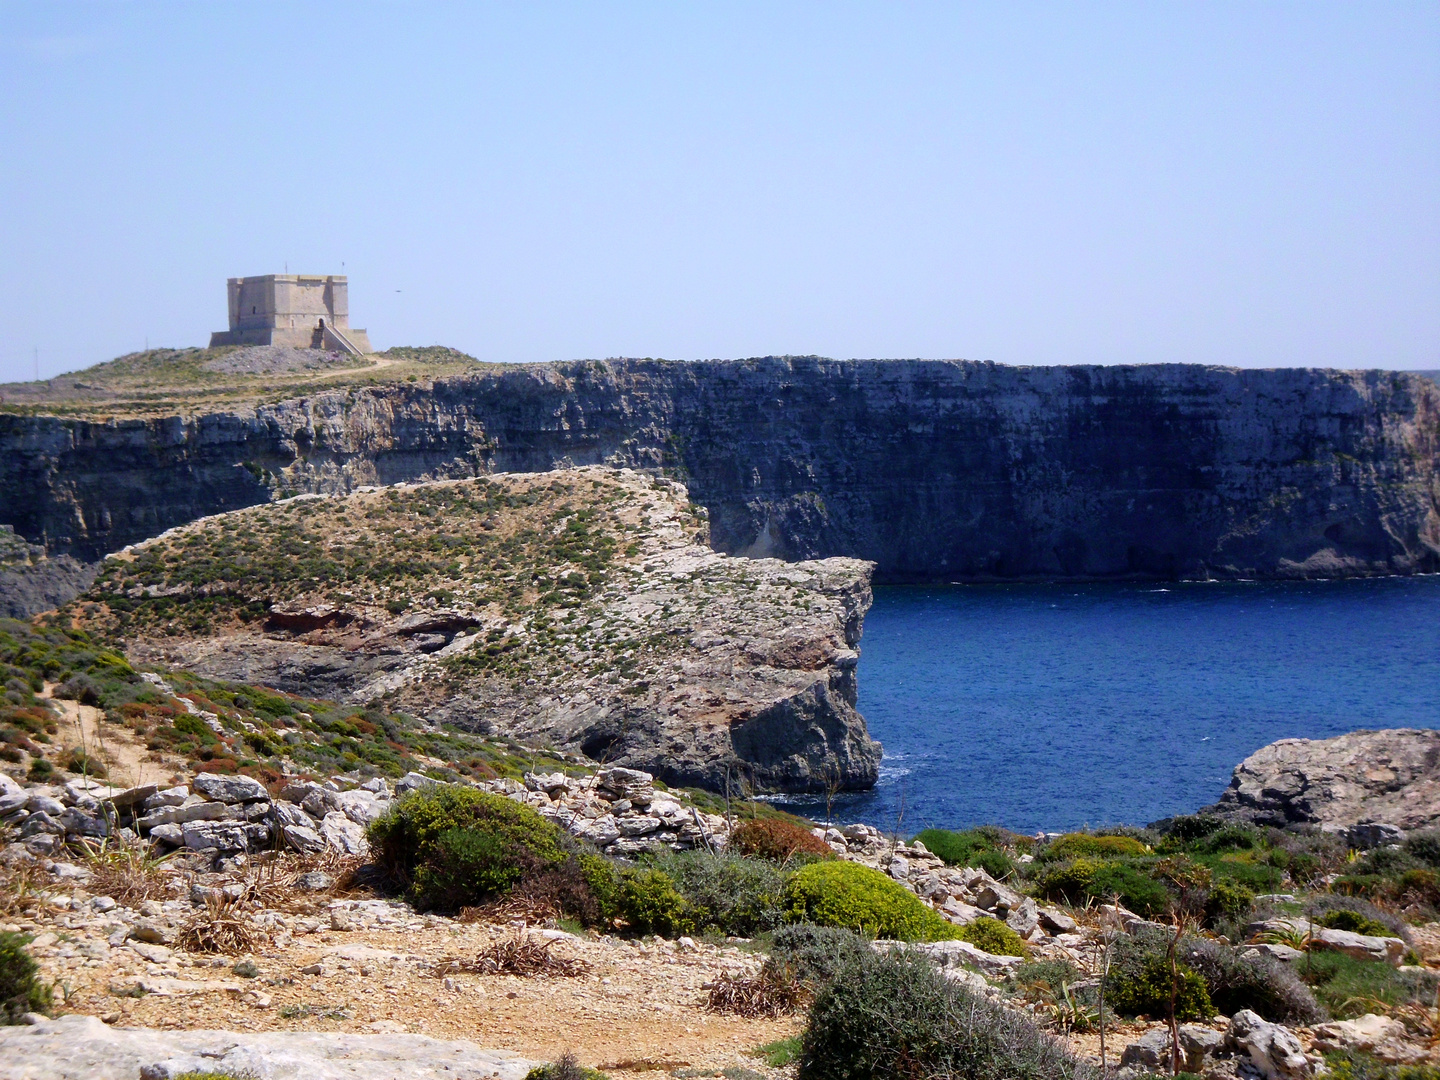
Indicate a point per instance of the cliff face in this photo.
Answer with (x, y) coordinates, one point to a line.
(932, 469)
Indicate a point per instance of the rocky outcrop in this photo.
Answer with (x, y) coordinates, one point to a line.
(934, 470)
(31, 581)
(573, 609)
(82, 1046)
(1370, 785)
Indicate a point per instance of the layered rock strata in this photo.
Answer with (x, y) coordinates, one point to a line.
(932, 469)
(577, 609)
(1372, 786)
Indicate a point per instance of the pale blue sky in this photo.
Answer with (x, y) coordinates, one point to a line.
(1253, 184)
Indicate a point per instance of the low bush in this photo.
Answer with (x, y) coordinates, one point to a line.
(817, 953)
(650, 904)
(1082, 880)
(565, 1067)
(1074, 845)
(1227, 900)
(994, 937)
(778, 840)
(1265, 986)
(735, 895)
(970, 848)
(1145, 990)
(1424, 847)
(855, 897)
(895, 1016)
(77, 761)
(1043, 979)
(21, 990)
(454, 847)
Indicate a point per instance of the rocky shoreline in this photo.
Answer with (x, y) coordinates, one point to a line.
(138, 953)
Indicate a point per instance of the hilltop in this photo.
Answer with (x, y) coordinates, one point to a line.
(167, 382)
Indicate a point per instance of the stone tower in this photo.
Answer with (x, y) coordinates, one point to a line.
(304, 311)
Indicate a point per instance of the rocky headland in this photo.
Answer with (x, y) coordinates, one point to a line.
(934, 470)
(1371, 786)
(579, 609)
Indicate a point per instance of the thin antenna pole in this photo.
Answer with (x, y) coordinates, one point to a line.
(37, 363)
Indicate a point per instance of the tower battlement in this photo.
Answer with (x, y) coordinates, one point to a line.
(303, 311)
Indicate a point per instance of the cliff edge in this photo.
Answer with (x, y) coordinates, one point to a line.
(933, 470)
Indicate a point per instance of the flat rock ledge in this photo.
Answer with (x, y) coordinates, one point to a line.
(79, 1047)
(1371, 785)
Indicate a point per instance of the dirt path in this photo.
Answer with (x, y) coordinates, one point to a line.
(127, 761)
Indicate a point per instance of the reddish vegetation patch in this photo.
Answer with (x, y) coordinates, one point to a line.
(777, 840)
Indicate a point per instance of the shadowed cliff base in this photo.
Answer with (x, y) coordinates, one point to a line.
(934, 470)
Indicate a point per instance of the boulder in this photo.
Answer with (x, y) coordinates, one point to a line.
(344, 835)
(175, 796)
(951, 953)
(414, 781)
(230, 789)
(1382, 1036)
(1272, 1049)
(188, 811)
(1024, 918)
(1364, 777)
(78, 1045)
(303, 838)
(1056, 921)
(1361, 946)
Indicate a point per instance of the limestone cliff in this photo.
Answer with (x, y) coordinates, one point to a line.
(932, 469)
(577, 609)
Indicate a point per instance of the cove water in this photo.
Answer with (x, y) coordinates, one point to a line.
(1060, 706)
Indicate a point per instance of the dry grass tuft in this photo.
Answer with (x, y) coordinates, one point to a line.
(128, 874)
(219, 929)
(519, 955)
(21, 889)
(774, 992)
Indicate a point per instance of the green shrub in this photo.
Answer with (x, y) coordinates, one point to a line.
(603, 882)
(1354, 922)
(566, 1067)
(1266, 986)
(20, 988)
(777, 840)
(77, 761)
(858, 898)
(453, 846)
(40, 770)
(895, 1016)
(650, 904)
(1082, 880)
(1145, 991)
(970, 848)
(735, 895)
(1424, 847)
(1043, 980)
(994, 937)
(1227, 900)
(817, 954)
(1074, 845)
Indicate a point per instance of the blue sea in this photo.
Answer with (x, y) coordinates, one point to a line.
(1061, 706)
